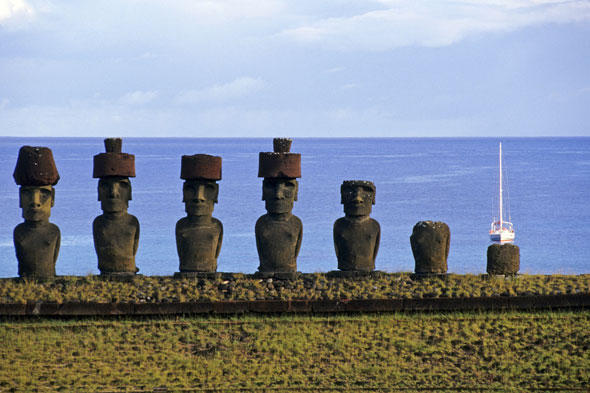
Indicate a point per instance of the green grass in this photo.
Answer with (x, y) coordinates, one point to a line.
(310, 286)
(389, 352)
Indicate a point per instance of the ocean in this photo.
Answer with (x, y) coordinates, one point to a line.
(454, 180)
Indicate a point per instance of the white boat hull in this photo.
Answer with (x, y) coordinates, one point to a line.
(502, 236)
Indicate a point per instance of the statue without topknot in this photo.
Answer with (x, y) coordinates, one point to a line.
(36, 240)
(199, 234)
(503, 259)
(356, 235)
(430, 242)
(278, 232)
(116, 233)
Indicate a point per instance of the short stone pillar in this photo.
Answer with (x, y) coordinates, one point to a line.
(503, 259)
(36, 240)
(356, 235)
(430, 245)
(116, 232)
(199, 234)
(279, 232)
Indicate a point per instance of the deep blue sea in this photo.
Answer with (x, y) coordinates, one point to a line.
(445, 179)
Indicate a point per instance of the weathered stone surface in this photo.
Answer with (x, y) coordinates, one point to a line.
(35, 167)
(116, 232)
(113, 162)
(37, 247)
(503, 259)
(280, 163)
(36, 240)
(279, 232)
(354, 274)
(356, 235)
(430, 243)
(200, 166)
(282, 145)
(199, 235)
(196, 275)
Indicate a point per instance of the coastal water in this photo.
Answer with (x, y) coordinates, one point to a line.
(448, 179)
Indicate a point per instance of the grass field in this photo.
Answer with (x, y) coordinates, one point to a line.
(309, 286)
(391, 352)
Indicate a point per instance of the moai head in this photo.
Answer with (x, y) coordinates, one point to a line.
(358, 197)
(200, 190)
(114, 169)
(36, 173)
(280, 169)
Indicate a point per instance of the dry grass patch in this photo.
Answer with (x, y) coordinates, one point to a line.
(506, 351)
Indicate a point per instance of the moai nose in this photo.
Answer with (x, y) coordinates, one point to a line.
(201, 193)
(114, 191)
(356, 197)
(36, 200)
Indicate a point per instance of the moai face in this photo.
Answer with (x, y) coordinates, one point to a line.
(279, 194)
(357, 198)
(36, 202)
(200, 197)
(114, 194)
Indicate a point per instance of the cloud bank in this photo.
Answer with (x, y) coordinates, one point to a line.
(432, 23)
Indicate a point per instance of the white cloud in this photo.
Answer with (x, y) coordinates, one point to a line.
(15, 13)
(219, 11)
(433, 23)
(4, 103)
(237, 88)
(138, 97)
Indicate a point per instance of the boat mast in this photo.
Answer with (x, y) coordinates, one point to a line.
(501, 219)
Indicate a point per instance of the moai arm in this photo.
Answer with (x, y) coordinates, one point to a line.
(299, 236)
(256, 231)
(448, 244)
(57, 245)
(136, 239)
(219, 240)
(178, 240)
(377, 240)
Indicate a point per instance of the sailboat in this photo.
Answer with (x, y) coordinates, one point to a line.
(500, 230)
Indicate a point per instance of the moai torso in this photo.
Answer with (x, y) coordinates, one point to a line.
(116, 238)
(356, 243)
(198, 245)
(37, 247)
(278, 243)
(430, 243)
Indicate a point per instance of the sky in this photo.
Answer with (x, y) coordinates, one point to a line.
(299, 68)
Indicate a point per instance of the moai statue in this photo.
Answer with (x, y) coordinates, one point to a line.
(430, 245)
(116, 233)
(356, 235)
(199, 235)
(36, 240)
(503, 259)
(278, 233)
